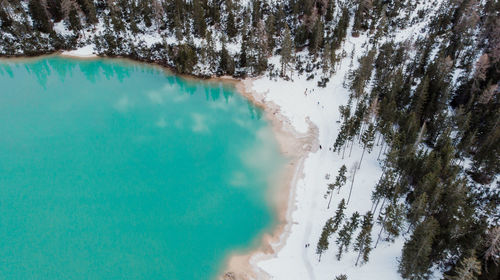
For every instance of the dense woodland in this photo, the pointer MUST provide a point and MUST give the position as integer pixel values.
(431, 103)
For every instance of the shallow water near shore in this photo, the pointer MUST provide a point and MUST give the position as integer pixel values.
(117, 170)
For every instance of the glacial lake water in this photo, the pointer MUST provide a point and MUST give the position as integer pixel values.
(111, 169)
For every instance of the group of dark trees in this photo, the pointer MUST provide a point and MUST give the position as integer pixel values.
(430, 105)
(434, 115)
(259, 29)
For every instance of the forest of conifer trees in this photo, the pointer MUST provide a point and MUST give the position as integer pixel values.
(432, 104)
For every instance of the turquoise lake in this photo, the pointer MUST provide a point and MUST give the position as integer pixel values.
(111, 169)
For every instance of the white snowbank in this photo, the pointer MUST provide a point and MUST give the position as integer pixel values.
(86, 51)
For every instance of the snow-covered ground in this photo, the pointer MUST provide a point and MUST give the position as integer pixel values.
(298, 100)
(86, 51)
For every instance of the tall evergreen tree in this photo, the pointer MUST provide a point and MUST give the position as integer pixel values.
(469, 269)
(54, 8)
(329, 10)
(286, 49)
(74, 19)
(89, 9)
(199, 23)
(367, 138)
(364, 239)
(415, 262)
(340, 180)
(339, 216)
(323, 242)
(345, 234)
(231, 29)
(39, 15)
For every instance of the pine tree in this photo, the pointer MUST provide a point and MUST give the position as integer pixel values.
(210, 50)
(286, 49)
(280, 17)
(199, 24)
(39, 15)
(367, 138)
(243, 51)
(54, 8)
(214, 12)
(341, 178)
(391, 222)
(316, 41)
(330, 8)
(345, 234)
(115, 14)
(341, 277)
(341, 139)
(185, 58)
(231, 25)
(88, 8)
(256, 12)
(493, 245)
(364, 239)
(5, 19)
(74, 19)
(340, 181)
(384, 189)
(226, 61)
(469, 269)
(362, 16)
(417, 210)
(323, 240)
(270, 33)
(146, 11)
(339, 216)
(420, 97)
(178, 27)
(260, 47)
(415, 261)
(158, 13)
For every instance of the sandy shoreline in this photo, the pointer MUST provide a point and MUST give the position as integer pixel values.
(295, 147)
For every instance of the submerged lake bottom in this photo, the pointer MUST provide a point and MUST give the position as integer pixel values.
(117, 170)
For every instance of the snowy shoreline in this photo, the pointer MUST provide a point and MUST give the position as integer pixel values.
(83, 52)
(300, 105)
(296, 147)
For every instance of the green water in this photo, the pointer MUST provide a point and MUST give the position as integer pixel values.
(116, 170)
